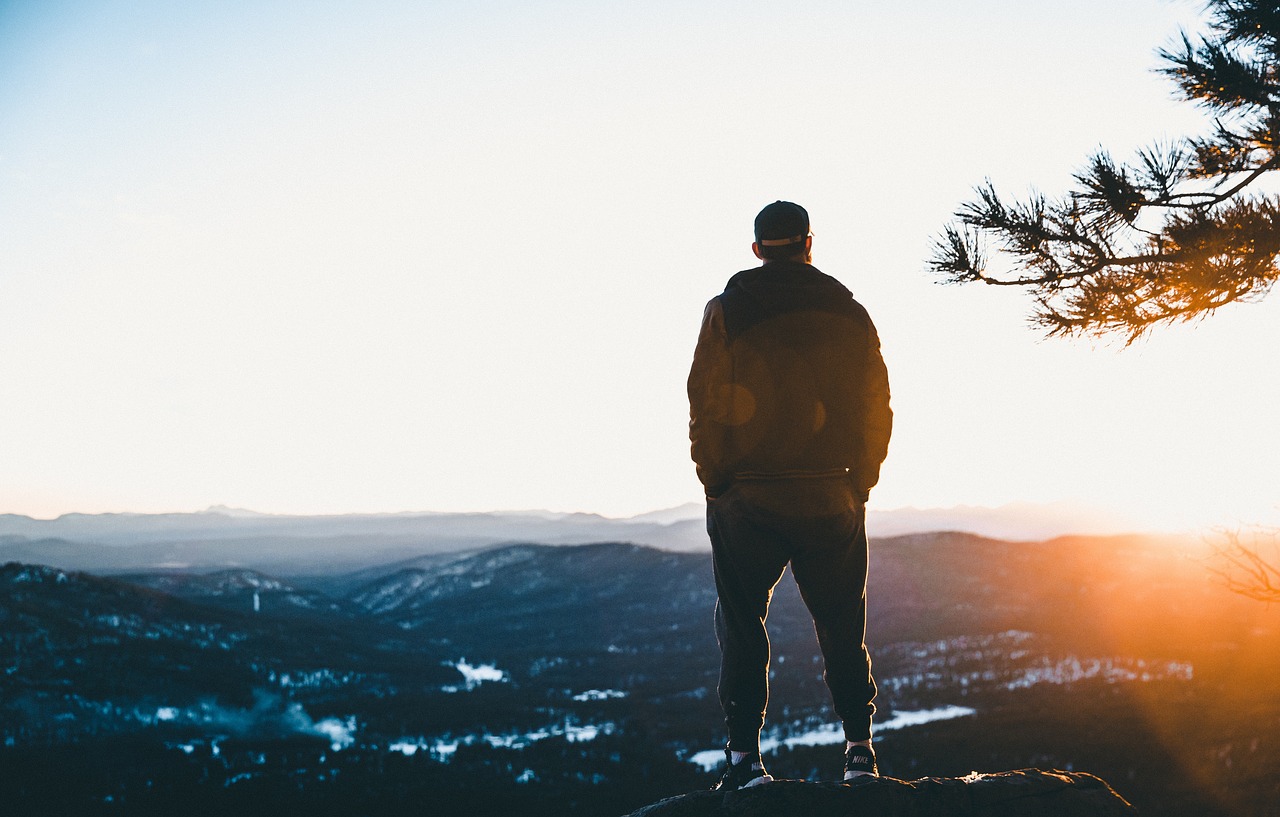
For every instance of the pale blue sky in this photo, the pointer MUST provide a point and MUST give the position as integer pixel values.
(325, 257)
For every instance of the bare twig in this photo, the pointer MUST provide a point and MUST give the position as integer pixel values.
(1242, 568)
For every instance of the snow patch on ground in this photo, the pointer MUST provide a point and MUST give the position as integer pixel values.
(944, 713)
(1113, 670)
(443, 748)
(341, 734)
(599, 695)
(474, 675)
(832, 733)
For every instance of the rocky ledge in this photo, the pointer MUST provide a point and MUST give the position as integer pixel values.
(1022, 793)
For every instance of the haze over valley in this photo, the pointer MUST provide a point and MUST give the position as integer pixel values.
(443, 660)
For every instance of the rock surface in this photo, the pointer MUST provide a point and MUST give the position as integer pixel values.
(1023, 793)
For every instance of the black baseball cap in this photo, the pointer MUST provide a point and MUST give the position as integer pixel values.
(782, 223)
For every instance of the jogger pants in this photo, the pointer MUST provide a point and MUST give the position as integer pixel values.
(818, 527)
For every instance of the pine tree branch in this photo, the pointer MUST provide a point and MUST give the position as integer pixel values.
(1093, 259)
(1201, 200)
(1214, 76)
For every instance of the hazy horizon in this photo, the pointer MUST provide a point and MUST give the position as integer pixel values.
(1015, 520)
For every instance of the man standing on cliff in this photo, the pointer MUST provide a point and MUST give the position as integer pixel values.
(789, 421)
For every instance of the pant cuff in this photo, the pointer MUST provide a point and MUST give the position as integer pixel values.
(857, 732)
(745, 737)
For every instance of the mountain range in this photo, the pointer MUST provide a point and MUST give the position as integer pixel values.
(223, 537)
(580, 679)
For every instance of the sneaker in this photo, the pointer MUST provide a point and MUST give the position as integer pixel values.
(750, 772)
(860, 761)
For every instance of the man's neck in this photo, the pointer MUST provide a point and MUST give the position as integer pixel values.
(795, 259)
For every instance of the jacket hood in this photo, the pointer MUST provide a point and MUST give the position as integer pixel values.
(781, 286)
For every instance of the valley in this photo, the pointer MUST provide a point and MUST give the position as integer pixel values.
(580, 679)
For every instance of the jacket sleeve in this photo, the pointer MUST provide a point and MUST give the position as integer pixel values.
(877, 417)
(709, 383)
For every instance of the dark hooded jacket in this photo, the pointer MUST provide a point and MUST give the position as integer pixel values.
(788, 382)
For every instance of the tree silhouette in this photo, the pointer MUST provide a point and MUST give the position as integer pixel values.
(1174, 235)
(1242, 567)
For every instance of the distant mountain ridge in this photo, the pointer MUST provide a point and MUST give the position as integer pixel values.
(305, 544)
(231, 537)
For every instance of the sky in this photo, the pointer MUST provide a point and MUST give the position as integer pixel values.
(331, 257)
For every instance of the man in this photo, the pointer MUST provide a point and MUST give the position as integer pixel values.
(789, 421)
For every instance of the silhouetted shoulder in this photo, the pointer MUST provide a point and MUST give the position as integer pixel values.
(758, 295)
